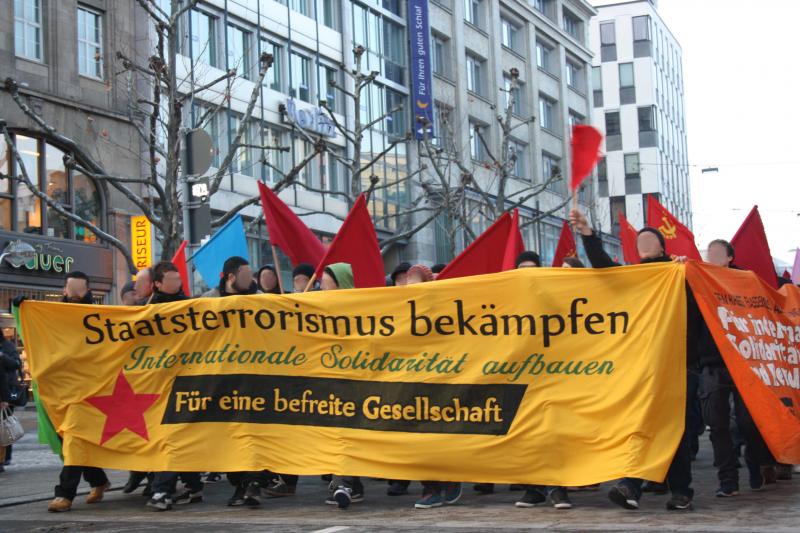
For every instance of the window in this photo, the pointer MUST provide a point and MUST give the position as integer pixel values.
(574, 76)
(574, 119)
(203, 38)
(597, 86)
(473, 12)
(442, 125)
(441, 56)
(617, 206)
(475, 74)
(633, 182)
(330, 8)
(551, 167)
(274, 77)
(547, 113)
(21, 211)
(476, 148)
(573, 26)
(648, 136)
(385, 41)
(327, 77)
(641, 36)
(602, 177)
(90, 43)
(627, 89)
(395, 122)
(28, 29)
(239, 51)
(510, 36)
(613, 131)
(301, 77)
(516, 155)
(608, 41)
(274, 159)
(544, 56)
(301, 6)
(516, 92)
(544, 7)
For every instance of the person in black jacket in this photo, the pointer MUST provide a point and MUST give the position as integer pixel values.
(10, 366)
(719, 392)
(267, 278)
(652, 249)
(76, 290)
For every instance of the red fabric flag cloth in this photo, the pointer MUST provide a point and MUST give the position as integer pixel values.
(287, 231)
(514, 244)
(585, 152)
(357, 244)
(627, 234)
(678, 238)
(487, 253)
(179, 260)
(752, 249)
(566, 245)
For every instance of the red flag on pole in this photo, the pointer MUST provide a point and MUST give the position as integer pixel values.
(678, 238)
(514, 244)
(357, 244)
(487, 253)
(627, 235)
(566, 246)
(585, 152)
(287, 231)
(752, 249)
(179, 260)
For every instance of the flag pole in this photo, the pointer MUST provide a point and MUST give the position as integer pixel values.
(310, 282)
(277, 265)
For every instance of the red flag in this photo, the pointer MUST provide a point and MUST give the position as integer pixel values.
(627, 235)
(585, 152)
(514, 244)
(357, 244)
(678, 238)
(287, 231)
(487, 253)
(179, 260)
(752, 249)
(566, 246)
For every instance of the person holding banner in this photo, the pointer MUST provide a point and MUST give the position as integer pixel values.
(719, 392)
(76, 291)
(651, 246)
(167, 288)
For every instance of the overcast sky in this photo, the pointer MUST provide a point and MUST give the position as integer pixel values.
(742, 82)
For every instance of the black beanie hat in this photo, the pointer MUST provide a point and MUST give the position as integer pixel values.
(303, 269)
(400, 269)
(657, 234)
(528, 256)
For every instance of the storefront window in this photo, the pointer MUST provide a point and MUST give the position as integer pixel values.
(57, 188)
(87, 206)
(29, 208)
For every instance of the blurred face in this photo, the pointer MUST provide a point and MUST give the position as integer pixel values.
(300, 281)
(401, 279)
(171, 283)
(129, 298)
(414, 278)
(718, 255)
(143, 286)
(75, 289)
(566, 265)
(328, 283)
(648, 245)
(241, 281)
(527, 264)
(268, 280)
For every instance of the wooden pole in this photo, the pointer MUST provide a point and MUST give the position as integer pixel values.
(277, 267)
(310, 282)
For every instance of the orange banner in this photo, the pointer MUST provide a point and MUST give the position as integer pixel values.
(757, 330)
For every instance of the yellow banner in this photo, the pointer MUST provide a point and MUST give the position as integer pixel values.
(546, 376)
(141, 241)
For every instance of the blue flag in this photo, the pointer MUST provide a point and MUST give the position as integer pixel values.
(228, 241)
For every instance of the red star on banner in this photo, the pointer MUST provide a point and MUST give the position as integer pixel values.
(124, 409)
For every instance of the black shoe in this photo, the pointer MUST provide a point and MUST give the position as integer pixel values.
(343, 497)
(160, 502)
(326, 477)
(188, 496)
(134, 480)
(727, 489)
(278, 488)
(237, 500)
(483, 488)
(770, 475)
(213, 477)
(397, 489)
(655, 488)
(679, 502)
(623, 496)
(559, 498)
(148, 490)
(756, 478)
(531, 498)
(516, 487)
(252, 494)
